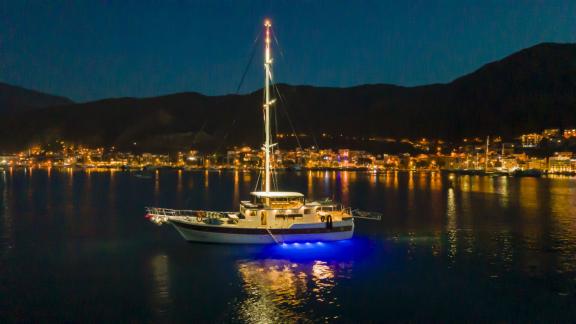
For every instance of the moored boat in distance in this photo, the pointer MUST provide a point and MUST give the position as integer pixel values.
(269, 216)
(527, 173)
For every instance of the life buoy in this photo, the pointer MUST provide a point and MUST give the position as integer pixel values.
(322, 218)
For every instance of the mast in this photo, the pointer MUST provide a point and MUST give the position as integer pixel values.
(267, 103)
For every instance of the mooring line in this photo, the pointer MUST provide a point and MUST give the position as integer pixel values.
(272, 235)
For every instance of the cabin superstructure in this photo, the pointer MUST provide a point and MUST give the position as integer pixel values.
(286, 208)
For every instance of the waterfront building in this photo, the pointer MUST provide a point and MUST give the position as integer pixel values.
(8, 159)
(531, 140)
(560, 162)
(536, 163)
(569, 133)
(507, 149)
(149, 159)
(405, 161)
(551, 133)
(344, 156)
(509, 163)
(448, 162)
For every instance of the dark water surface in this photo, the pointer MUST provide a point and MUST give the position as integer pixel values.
(74, 246)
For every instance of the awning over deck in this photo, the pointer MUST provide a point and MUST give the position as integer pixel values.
(277, 194)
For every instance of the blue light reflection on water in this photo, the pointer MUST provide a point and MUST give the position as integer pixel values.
(354, 248)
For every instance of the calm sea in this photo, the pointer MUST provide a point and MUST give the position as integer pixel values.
(75, 246)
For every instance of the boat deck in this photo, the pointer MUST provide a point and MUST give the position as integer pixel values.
(283, 218)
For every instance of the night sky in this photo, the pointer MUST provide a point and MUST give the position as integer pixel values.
(89, 50)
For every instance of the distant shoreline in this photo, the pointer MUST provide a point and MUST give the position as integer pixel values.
(460, 172)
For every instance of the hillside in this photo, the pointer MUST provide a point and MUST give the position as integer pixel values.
(526, 91)
(17, 99)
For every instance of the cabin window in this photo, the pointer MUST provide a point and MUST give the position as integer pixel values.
(281, 202)
(308, 211)
(286, 203)
(288, 216)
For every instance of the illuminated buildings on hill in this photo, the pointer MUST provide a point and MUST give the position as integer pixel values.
(569, 133)
(531, 140)
(551, 133)
(529, 151)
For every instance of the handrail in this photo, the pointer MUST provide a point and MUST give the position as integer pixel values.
(159, 211)
(180, 212)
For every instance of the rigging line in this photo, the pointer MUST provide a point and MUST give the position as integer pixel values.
(273, 184)
(278, 44)
(195, 140)
(278, 92)
(249, 62)
(277, 144)
(274, 174)
(281, 99)
(276, 180)
(276, 125)
(314, 139)
(275, 112)
(285, 110)
(257, 181)
(240, 83)
(276, 177)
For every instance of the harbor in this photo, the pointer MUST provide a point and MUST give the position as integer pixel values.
(513, 161)
(503, 234)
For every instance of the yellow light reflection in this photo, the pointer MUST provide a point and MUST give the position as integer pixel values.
(451, 226)
(346, 188)
(179, 184)
(310, 184)
(275, 288)
(161, 283)
(373, 178)
(236, 196)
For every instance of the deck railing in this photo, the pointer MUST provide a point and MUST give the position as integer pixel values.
(157, 211)
(200, 214)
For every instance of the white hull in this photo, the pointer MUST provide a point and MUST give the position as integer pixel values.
(303, 233)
